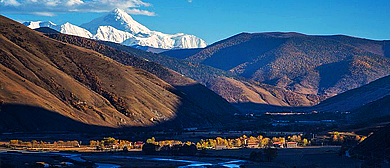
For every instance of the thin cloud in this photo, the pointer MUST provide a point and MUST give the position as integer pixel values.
(190, 1)
(51, 7)
(44, 14)
(140, 12)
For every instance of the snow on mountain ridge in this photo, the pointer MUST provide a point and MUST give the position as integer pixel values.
(118, 26)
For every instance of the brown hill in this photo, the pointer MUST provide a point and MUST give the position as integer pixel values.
(125, 58)
(45, 84)
(320, 65)
(186, 87)
(241, 91)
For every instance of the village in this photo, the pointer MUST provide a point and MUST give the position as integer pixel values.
(111, 144)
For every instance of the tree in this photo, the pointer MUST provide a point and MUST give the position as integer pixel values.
(363, 138)
(264, 142)
(198, 145)
(357, 138)
(152, 140)
(34, 143)
(237, 143)
(335, 138)
(252, 139)
(109, 141)
(305, 142)
(14, 142)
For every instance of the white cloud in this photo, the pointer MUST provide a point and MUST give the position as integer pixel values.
(74, 2)
(43, 13)
(190, 1)
(140, 12)
(51, 7)
(10, 2)
(52, 3)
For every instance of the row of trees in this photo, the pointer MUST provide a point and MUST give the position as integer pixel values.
(262, 142)
(341, 137)
(344, 139)
(42, 144)
(112, 143)
(167, 142)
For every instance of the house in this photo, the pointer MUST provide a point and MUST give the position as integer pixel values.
(138, 145)
(220, 147)
(252, 145)
(278, 145)
(292, 144)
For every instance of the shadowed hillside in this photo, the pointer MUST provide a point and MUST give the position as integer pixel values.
(355, 98)
(376, 111)
(376, 148)
(86, 86)
(46, 30)
(18, 117)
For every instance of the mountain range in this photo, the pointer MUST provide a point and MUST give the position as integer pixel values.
(307, 64)
(118, 26)
(48, 85)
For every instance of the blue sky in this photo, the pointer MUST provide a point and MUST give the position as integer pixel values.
(213, 20)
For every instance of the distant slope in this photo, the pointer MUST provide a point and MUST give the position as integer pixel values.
(355, 98)
(181, 53)
(63, 85)
(198, 72)
(321, 65)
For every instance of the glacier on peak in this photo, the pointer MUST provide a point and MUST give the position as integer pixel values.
(119, 27)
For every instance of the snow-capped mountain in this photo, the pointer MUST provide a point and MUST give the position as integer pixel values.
(118, 26)
(66, 28)
(38, 24)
